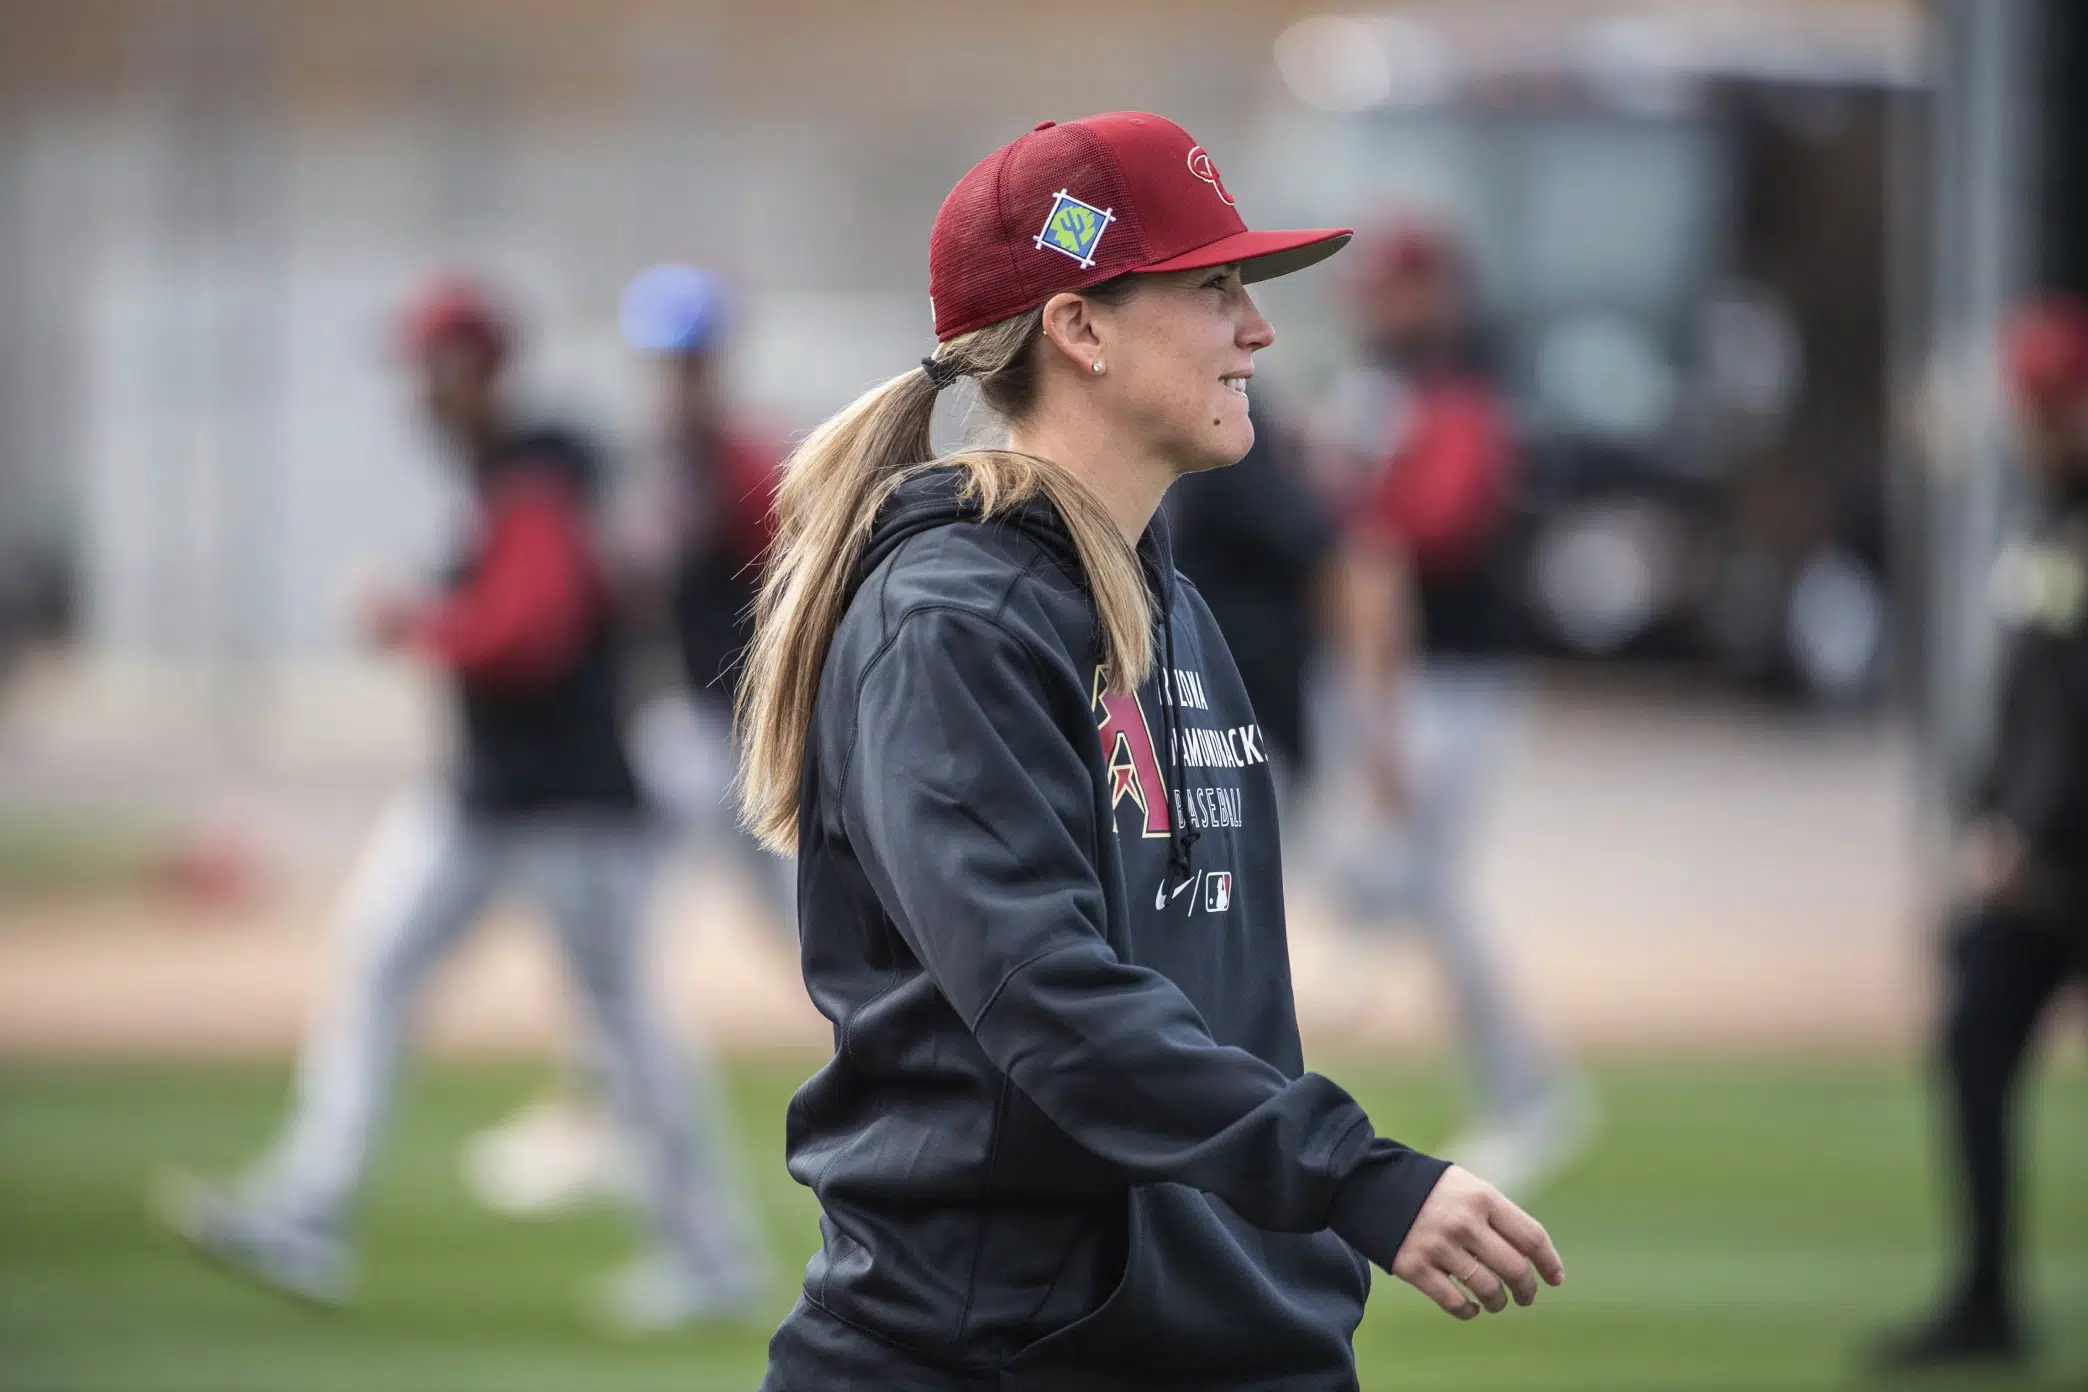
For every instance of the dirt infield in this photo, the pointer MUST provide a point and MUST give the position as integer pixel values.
(1660, 875)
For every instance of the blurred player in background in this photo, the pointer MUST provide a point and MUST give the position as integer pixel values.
(686, 547)
(1256, 538)
(2022, 933)
(693, 542)
(541, 806)
(1424, 692)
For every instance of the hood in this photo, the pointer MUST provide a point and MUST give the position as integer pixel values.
(935, 498)
(549, 448)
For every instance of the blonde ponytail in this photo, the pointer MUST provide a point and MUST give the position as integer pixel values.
(833, 486)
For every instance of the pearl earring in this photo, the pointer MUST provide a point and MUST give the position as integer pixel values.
(1098, 367)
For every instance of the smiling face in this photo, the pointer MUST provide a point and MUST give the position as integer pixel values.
(1178, 354)
(1410, 316)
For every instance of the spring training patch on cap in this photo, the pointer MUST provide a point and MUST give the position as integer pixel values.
(1074, 228)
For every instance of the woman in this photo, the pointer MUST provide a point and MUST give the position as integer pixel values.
(1066, 1139)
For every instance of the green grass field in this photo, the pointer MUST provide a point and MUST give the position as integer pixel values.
(1739, 1226)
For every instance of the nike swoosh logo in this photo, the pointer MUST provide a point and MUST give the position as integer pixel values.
(1161, 896)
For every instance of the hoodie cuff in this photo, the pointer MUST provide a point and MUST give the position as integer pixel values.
(1376, 1205)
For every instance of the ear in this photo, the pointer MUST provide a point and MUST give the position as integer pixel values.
(1071, 329)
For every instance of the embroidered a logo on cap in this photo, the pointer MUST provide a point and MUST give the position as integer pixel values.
(1074, 228)
(1200, 165)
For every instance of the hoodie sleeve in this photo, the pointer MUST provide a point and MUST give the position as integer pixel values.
(526, 614)
(974, 813)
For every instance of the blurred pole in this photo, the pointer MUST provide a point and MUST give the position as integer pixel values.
(15, 311)
(219, 342)
(1979, 166)
(1909, 179)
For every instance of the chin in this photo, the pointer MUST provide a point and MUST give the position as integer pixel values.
(1207, 454)
(1210, 441)
(1230, 444)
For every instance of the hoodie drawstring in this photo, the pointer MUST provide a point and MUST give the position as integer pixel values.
(1181, 836)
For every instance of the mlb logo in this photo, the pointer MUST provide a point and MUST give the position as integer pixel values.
(1073, 228)
(1218, 891)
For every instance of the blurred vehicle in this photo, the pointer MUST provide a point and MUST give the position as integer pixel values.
(1679, 220)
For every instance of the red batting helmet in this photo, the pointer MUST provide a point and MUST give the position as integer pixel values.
(453, 307)
(2044, 349)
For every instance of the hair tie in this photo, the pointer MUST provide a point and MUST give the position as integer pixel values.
(941, 372)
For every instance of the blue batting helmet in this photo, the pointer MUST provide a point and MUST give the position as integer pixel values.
(675, 308)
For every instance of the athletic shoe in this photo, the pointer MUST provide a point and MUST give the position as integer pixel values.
(1523, 1151)
(656, 1296)
(550, 1157)
(247, 1241)
(1964, 1333)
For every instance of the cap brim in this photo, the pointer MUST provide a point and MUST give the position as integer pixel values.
(1262, 255)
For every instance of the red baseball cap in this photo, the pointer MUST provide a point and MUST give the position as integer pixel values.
(452, 306)
(2044, 344)
(1071, 205)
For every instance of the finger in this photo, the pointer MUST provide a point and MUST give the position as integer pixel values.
(1531, 1240)
(1483, 1284)
(1504, 1261)
(1437, 1286)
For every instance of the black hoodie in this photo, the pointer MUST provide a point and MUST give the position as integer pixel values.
(553, 745)
(1066, 1139)
(2037, 772)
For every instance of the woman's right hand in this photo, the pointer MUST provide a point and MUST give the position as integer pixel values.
(1469, 1237)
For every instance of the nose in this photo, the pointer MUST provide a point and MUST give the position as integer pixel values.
(1254, 332)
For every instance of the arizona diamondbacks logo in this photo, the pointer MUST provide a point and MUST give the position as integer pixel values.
(1074, 228)
(1128, 753)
